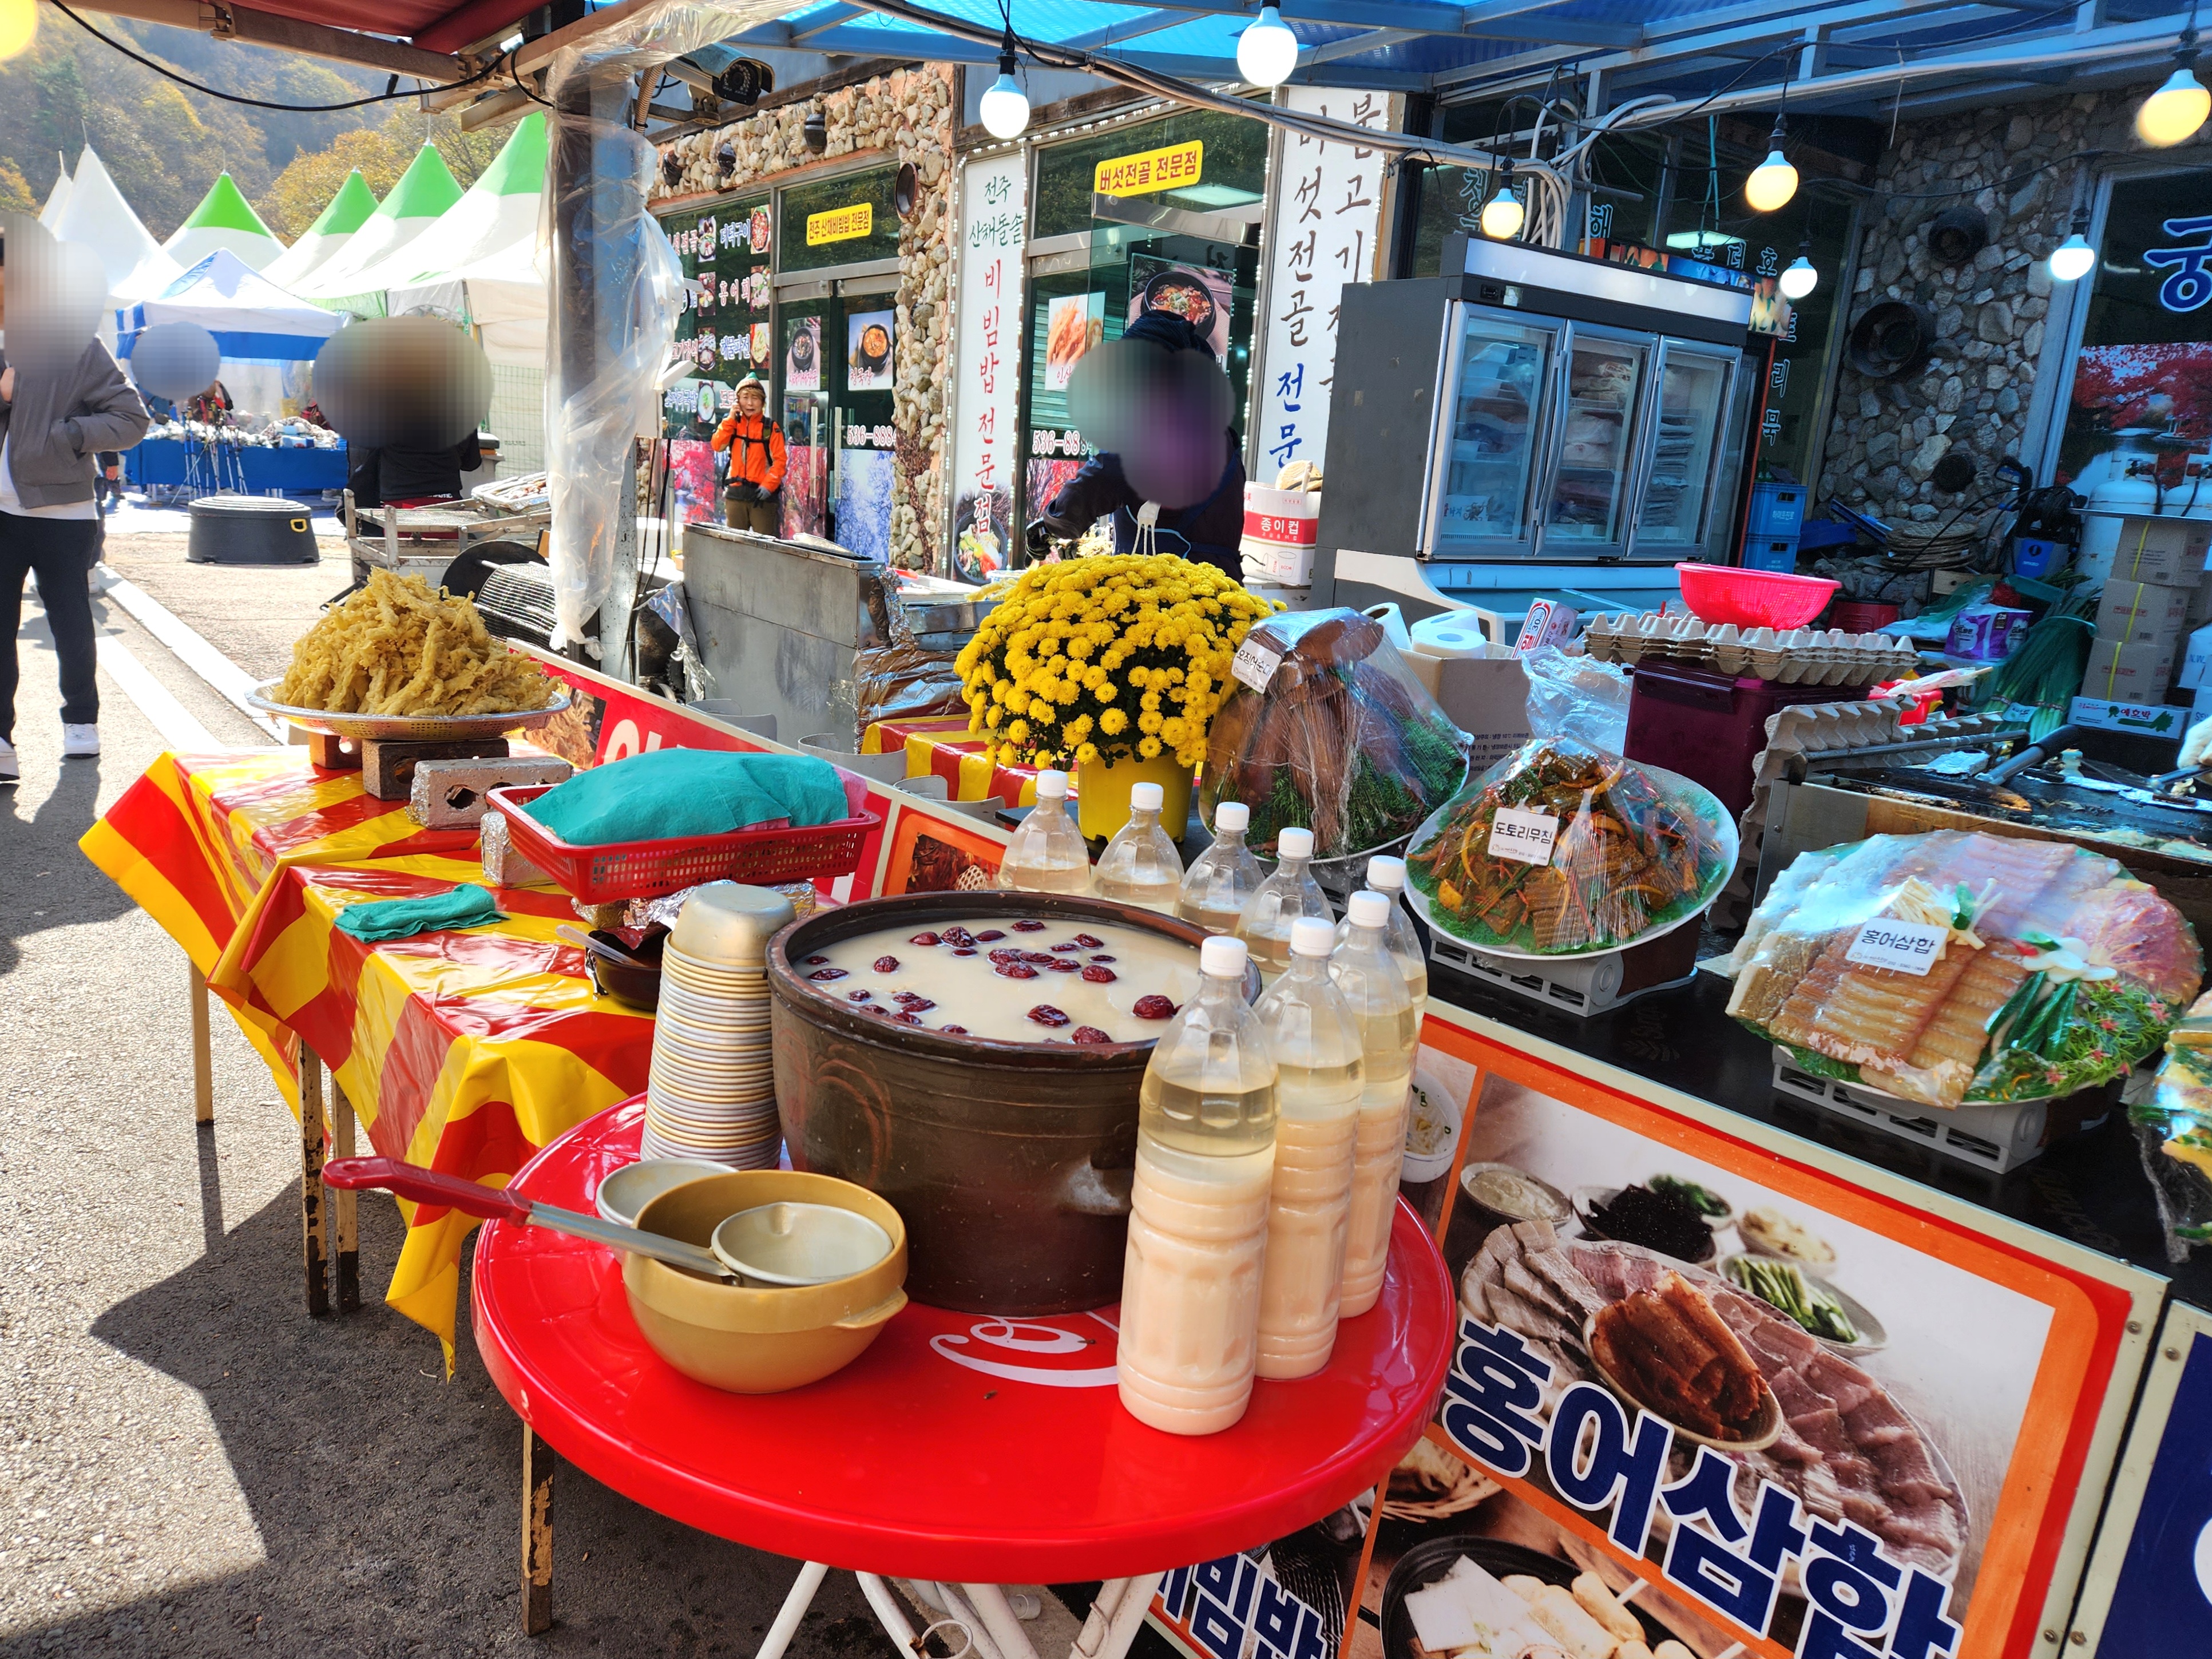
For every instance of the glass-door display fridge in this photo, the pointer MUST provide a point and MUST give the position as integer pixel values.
(1544, 421)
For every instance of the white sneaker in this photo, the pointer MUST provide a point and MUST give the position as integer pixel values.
(9, 771)
(80, 741)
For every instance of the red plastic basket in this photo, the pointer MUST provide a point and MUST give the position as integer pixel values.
(1753, 599)
(646, 869)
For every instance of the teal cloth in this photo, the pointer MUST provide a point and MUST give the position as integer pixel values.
(690, 792)
(466, 906)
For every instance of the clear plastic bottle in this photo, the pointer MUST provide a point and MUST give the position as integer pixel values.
(1387, 876)
(1047, 853)
(1290, 893)
(1140, 865)
(1374, 986)
(1198, 1226)
(1222, 879)
(1318, 1058)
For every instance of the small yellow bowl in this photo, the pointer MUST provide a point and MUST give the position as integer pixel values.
(760, 1341)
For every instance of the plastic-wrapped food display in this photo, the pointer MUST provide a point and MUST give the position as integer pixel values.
(1339, 738)
(2174, 1126)
(1954, 967)
(1561, 850)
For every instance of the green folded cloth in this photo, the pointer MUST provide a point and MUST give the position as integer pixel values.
(467, 906)
(690, 792)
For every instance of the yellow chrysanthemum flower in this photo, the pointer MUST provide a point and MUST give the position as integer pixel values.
(1148, 747)
(1114, 722)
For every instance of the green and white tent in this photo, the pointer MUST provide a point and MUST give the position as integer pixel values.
(331, 233)
(420, 198)
(224, 220)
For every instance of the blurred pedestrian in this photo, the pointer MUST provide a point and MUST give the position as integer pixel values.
(753, 498)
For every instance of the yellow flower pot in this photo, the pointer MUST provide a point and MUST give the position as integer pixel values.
(1101, 794)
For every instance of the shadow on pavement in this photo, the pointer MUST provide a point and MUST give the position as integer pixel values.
(54, 885)
(388, 1499)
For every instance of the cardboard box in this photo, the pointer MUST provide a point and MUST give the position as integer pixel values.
(2165, 550)
(2200, 600)
(2151, 719)
(1488, 699)
(2128, 673)
(1279, 531)
(1549, 621)
(2142, 613)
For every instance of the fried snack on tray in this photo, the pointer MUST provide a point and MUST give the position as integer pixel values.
(395, 647)
(1626, 856)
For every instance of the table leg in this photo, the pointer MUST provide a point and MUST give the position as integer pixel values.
(203, 1063)
(345, 1207)
(889, 1613)
(1116, 1615)
(779, 1636)
(537, 1462)
(312, 1132)
(1006, 1632)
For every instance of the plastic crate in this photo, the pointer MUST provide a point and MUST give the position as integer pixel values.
(646, 869)
(1771, 553)
(1777, 510)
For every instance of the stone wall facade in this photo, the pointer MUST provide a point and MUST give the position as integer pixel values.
(1885, 437)
(907, 115)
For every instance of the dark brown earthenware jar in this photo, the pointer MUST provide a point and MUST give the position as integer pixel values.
(1010, 1161)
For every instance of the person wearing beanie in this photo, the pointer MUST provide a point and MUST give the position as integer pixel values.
(753, 498)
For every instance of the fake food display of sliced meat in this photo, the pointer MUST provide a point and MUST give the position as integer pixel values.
(1956, 967)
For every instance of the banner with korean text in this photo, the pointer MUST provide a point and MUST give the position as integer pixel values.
(993, 231)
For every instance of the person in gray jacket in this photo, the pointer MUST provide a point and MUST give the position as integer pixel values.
(60, 405)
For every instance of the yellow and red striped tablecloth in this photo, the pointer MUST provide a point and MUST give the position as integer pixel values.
(940, 744)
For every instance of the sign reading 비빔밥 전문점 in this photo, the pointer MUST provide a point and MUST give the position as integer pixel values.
(1173, 167)
(844, 224)
(1713, 1386)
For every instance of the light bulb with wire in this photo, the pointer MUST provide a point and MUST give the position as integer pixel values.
(1503, 215)
(2173, 114)
(1799, 276)
(19, 22)
(1773, 181)
(1266, 52)
(1005, 107)
(2074, 258)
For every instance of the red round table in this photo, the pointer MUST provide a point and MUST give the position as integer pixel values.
(960, 1447)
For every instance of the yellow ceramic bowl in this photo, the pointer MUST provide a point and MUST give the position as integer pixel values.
(760, 1341)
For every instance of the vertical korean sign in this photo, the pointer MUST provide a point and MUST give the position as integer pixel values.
(995, 220)
(1327, 201)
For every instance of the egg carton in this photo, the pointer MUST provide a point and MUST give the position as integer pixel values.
(1794, 656)
(1993, 1137)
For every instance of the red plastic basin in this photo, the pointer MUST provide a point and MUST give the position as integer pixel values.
(1753, 599)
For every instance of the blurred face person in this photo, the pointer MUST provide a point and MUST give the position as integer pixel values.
(750, 402)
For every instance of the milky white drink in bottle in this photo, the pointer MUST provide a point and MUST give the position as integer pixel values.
(1222, 879)
(1387, 876)
(1374, 986)
(1197, 1225)
(1290, 893)
(1047, 854)
(1317, 1048)
(1140, 865)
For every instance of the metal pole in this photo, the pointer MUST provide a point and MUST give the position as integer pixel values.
(794, 1609)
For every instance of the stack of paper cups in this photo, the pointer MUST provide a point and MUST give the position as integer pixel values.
(711, 1092)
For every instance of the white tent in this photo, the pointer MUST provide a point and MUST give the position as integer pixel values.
(97, 217)
(333, 228)
(420, 198)
(266, 336)
(57, 200)
(224, 219)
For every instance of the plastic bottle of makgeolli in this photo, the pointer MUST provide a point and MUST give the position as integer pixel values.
(1140, 865)
(1374, 986)
(1047, 854)
(1198, 1226)
(1222, 879)
(1290, 893)
(1387, 876)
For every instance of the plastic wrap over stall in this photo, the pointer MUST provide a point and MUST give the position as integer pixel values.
(1958, 967)
(2174, 1130)
(1328, 728)
(615, 283)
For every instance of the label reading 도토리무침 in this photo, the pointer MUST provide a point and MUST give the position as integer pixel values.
(1256, 663)
(1908, 947)
(1525, 837)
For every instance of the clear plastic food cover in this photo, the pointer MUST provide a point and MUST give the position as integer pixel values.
(1954, 967)
(2174, 1129)
(1560, 849)
(1327, 729)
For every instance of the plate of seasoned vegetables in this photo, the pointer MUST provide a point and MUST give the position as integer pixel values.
(1561, 850)
(1834, 1316)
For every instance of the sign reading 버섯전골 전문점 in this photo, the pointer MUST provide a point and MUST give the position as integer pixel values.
(1771, 1402)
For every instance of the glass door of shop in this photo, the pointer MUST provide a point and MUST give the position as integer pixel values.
(1593, 481)
(1673, 512)
(1488, 455)
(839, 442)
(804, 411)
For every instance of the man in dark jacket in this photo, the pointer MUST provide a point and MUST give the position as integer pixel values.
(60, 405)
(1208, 527)
(400, 475)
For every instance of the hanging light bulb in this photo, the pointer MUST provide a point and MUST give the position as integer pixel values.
(1773, 181)
(2074, 258)
(1799, 278)
(19, 21)
(2172, 115)
(1266, 52)
(1503, 215)
(1006, 106)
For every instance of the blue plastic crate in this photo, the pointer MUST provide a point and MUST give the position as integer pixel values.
(1777, 510)
(1770, 553)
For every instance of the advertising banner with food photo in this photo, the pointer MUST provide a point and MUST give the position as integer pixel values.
(1201, 297)
(868, 351)
(1077, 323)
(1720, 1392)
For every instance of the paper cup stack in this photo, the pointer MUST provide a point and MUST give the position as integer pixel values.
(712, 1090)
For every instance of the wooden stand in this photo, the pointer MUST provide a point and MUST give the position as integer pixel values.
(387, 769)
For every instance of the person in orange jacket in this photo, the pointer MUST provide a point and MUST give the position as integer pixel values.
(753, 498)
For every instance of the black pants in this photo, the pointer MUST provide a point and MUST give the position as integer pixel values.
(60, 551)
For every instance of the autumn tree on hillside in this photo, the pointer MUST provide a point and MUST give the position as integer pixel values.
(382, 154)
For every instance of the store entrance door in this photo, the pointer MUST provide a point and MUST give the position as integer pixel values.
(838, 356)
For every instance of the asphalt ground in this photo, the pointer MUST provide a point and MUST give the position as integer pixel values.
(189, 1464)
